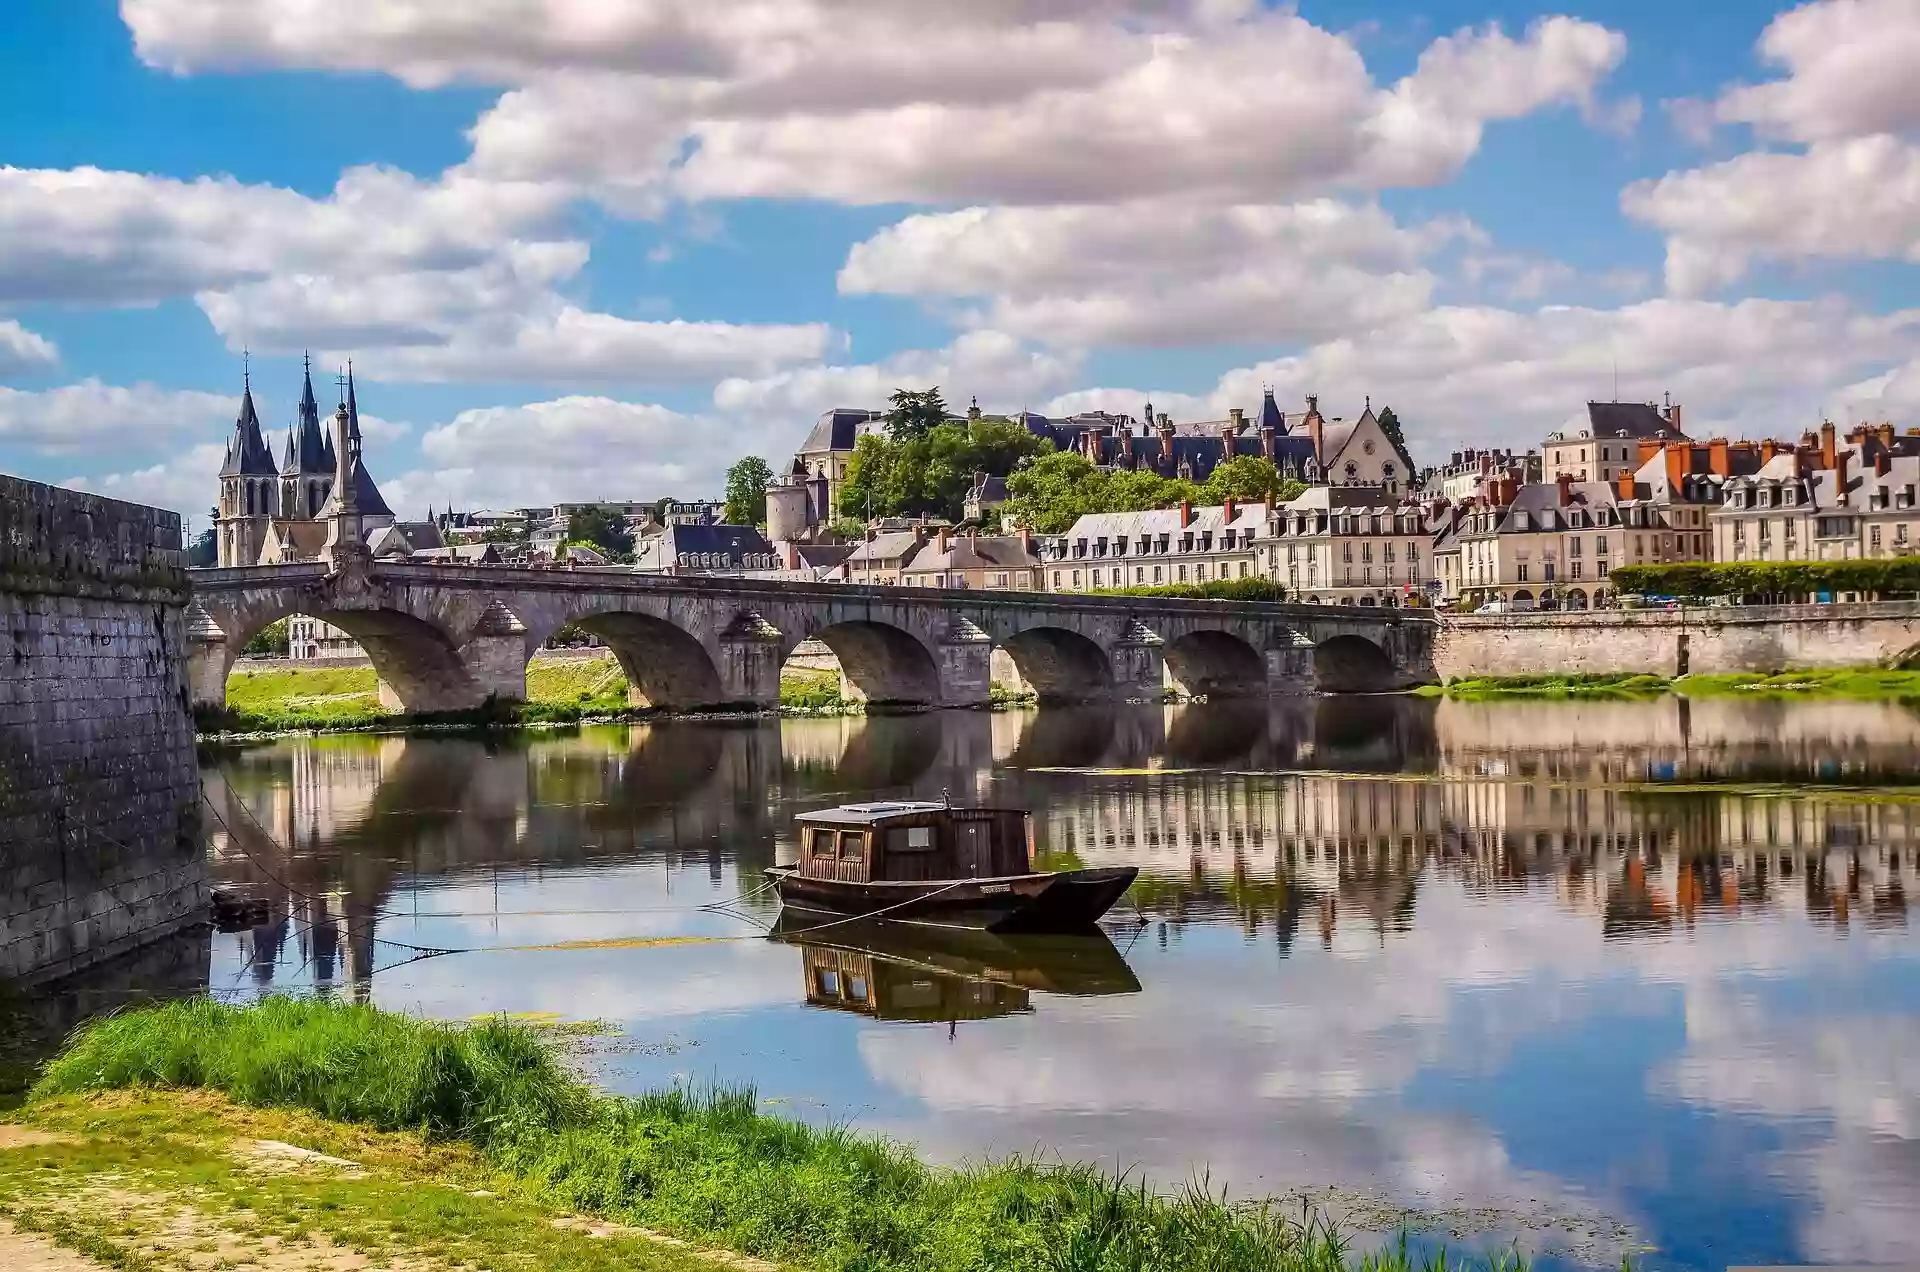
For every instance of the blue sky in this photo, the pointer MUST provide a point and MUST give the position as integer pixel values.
(600, 248)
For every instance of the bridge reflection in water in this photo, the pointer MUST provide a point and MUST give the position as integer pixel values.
(1231, 809)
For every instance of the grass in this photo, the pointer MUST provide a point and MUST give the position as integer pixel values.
(1558, 685)
(811, 691)
(707, 1167)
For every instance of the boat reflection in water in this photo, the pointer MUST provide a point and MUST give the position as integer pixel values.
(930, 975)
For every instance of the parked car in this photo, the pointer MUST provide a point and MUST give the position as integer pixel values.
(1495, 607)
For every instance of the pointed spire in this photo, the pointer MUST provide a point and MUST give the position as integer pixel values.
(353, 407)
(248, 453)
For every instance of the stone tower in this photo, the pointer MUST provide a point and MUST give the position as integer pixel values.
(306, 474)
(249, 488)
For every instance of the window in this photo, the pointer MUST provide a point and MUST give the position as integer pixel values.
(1056, 579)
(1366, 552)
(1346, 552)
(853, 846)
(1158, 574)
(1386, 553)
(820, 843)
(1200, 571)
(910, 839)
(1139, 574)
(1739, 534)
(1873, 537)
(1900, 533)
(1182, 572)
(1076, 578)
(1573, 546)
(1243, 564)
(1096, 577)
(1520, 572)
(1576, 569)
(1549, 571)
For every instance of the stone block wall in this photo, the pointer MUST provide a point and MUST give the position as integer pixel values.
(100, 847)
(1699, 641)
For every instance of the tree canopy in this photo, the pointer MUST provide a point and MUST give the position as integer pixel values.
(1390, 425)
(915, 413)
(1052, 492)
(604, 528)
(747, 492)
(931, 472)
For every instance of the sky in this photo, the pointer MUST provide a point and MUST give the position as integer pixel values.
(583, 249)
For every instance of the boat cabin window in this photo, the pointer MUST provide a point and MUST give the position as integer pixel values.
(910, 839)
(853, 846)
(827, 981)
(856, 988)
(820, 843)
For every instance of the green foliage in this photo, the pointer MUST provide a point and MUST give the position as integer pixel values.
(1048, 494)
(204, 550)
(1247, 478)
(508, 534)
(913, 414)
(708, 1166)
(810, 691)
(847, 527)
(1390, 425)
(747, 492)
(604, 529)
(269, 642)
(1249, 589)
(1562, 685)
(1784, 580)
(931, 472)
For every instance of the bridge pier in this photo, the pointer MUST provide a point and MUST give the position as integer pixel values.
(1289, 659)
(1139, 661)
(965, 660)
(749, 662)
(496, 657)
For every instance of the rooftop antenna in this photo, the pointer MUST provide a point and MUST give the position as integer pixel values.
(246, 369)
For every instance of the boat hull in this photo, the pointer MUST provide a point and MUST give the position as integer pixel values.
(1063, 901)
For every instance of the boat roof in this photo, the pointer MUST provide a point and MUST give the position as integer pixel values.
(867, 814)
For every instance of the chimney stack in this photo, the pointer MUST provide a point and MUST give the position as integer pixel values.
(1624, 486)
(1882, 463)
(1827, 452)
(1720, 457)
(940, 541)
(1673, 418)
(1164, 426)
(1839, 467)
(1766, 449)
(1237, 416)
(1227, 507)
(1186, 514)
(1886, 434)
(1565, 482)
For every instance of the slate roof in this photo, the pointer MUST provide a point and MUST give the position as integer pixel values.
(247, 451)
(1622, 419)
(838, 429)
(309, 449)
(732, 544)
(976, 552)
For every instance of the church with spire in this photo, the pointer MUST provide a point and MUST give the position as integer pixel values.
(318, 495)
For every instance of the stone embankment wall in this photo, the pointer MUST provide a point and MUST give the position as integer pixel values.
(1698, 641)
(100, 847)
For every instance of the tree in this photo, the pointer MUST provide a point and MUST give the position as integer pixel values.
(204, 550)
(269, 642)
(507, 533)
(1390, 425)
(932, 472)
(604, 528)
(915, 414)
(1049, 493)
(747, 492)
(1244, 477)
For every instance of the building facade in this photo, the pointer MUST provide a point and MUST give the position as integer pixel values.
(1604, 444)
(1828, 499)
(1350, 545)
(1168, 545)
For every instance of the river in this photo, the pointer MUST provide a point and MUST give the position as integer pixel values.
(1600, 977)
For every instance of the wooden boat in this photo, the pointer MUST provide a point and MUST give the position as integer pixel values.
(912, 862)
(914, 972)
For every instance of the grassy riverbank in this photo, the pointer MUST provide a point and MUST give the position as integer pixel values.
(484, 1114)
(1858, 683)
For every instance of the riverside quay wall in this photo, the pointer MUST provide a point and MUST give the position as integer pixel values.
(1696, 640)
(100, 846)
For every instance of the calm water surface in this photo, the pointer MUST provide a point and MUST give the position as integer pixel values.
(1599, 976)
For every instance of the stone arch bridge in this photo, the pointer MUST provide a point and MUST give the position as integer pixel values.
(446, 638)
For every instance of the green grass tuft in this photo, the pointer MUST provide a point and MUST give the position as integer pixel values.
(707, 1166)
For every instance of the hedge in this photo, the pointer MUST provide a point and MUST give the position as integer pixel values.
(1769, 578)
(1249, 589)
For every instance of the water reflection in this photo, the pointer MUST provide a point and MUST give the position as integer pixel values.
(936, 975)
(1492, 955)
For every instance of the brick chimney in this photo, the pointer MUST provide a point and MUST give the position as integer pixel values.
(1314, 423)
(1186, 514)
(1227, 508)
(1673, 417)
(1565, 482)
(1164, 427)
(1647, 449)
(1026, 540)
(1766, 449)
(1882, 463)
(1827, 452)
(1886, 434)
(1678, 453)
(1229, 433)
(1720, 457)
(1624, 487)
(1237, 416)
(1839, 467)
(789, 554)
(940, 541)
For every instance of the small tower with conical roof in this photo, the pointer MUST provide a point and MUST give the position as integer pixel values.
(249, 495)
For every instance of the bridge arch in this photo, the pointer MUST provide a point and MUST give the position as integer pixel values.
(1353, 664)
(1060, 664)
(420, 669)
(1214, 663)
(881, 663)
(666, 666)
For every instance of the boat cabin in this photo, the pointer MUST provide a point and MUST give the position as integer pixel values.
(907, 842)
(856, 981)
